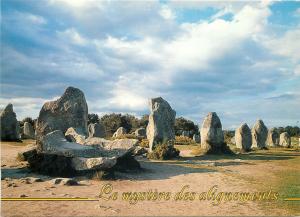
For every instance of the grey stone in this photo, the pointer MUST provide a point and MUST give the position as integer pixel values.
(141, 132)
(211, 132)
(28, 131)
(9, 124)
(259, 134)
(160, 128)
(243, 137)
(120, 131)
(70, 110)
(285, 140)
(75, 135)
(96, 130)
(55, 143)
(273, 138)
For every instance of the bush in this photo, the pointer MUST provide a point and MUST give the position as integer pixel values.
(163, 152)
(184, 140)
(144, 143)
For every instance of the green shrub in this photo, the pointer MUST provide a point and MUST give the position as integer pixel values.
(163, 152)
(144, 143)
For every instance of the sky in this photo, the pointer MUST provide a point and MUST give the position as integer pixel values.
(240, 59)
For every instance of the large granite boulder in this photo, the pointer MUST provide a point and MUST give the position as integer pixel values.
(96, 130)
(9, 124)
(28, 131)
(243, 137)
(259, 135)
(120, 131)
(70, 110)
(212, 138)
(140, 132)
(273, 138)
(285, 140)
(160, 129)
(197, 138)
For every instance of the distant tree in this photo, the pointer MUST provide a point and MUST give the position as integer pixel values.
(143, 122)
(228, 135)
(292, 131)
(182, 124)
(93, 118)
(27, 119)
(113, 121)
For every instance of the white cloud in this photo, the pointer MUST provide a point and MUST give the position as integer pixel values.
(167, 13)
(73, 36)
(287, 46)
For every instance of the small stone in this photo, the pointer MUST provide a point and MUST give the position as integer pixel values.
(23, 195)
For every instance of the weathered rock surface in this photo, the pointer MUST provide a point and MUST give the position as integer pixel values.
(273, 138)
(28, 131)
(120, 131)
(285, 140)
(212, 138)
(259, 134)
(197, 138)
(243, 137)
(160, 128)
(96, 130)
(57, 156)
(9, 124)
(141, 132)
(75, 135)
(70, 110)
(55, 143)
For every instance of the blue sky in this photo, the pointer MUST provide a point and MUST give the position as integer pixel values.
(240, 59)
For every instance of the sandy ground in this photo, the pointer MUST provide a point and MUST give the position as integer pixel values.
(250, 172)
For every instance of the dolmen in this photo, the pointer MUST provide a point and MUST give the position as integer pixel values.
(212, 137)
(9, 125)
(196, 138)
(259, 135)
(243, 138)
(63, 147)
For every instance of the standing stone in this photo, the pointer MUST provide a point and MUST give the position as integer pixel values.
(273, 138)
(243, 137)
(285, 140)
(196, 138)
(141, 132)
(120, 131)
(28, 131)
(70, 110)
(259, 134)
(96, 130)
(160, 129)
(9, 124)
(212, 137)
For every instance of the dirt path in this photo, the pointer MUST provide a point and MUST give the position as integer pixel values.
(249, 173)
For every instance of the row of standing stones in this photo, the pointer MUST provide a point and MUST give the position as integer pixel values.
(67, 146)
